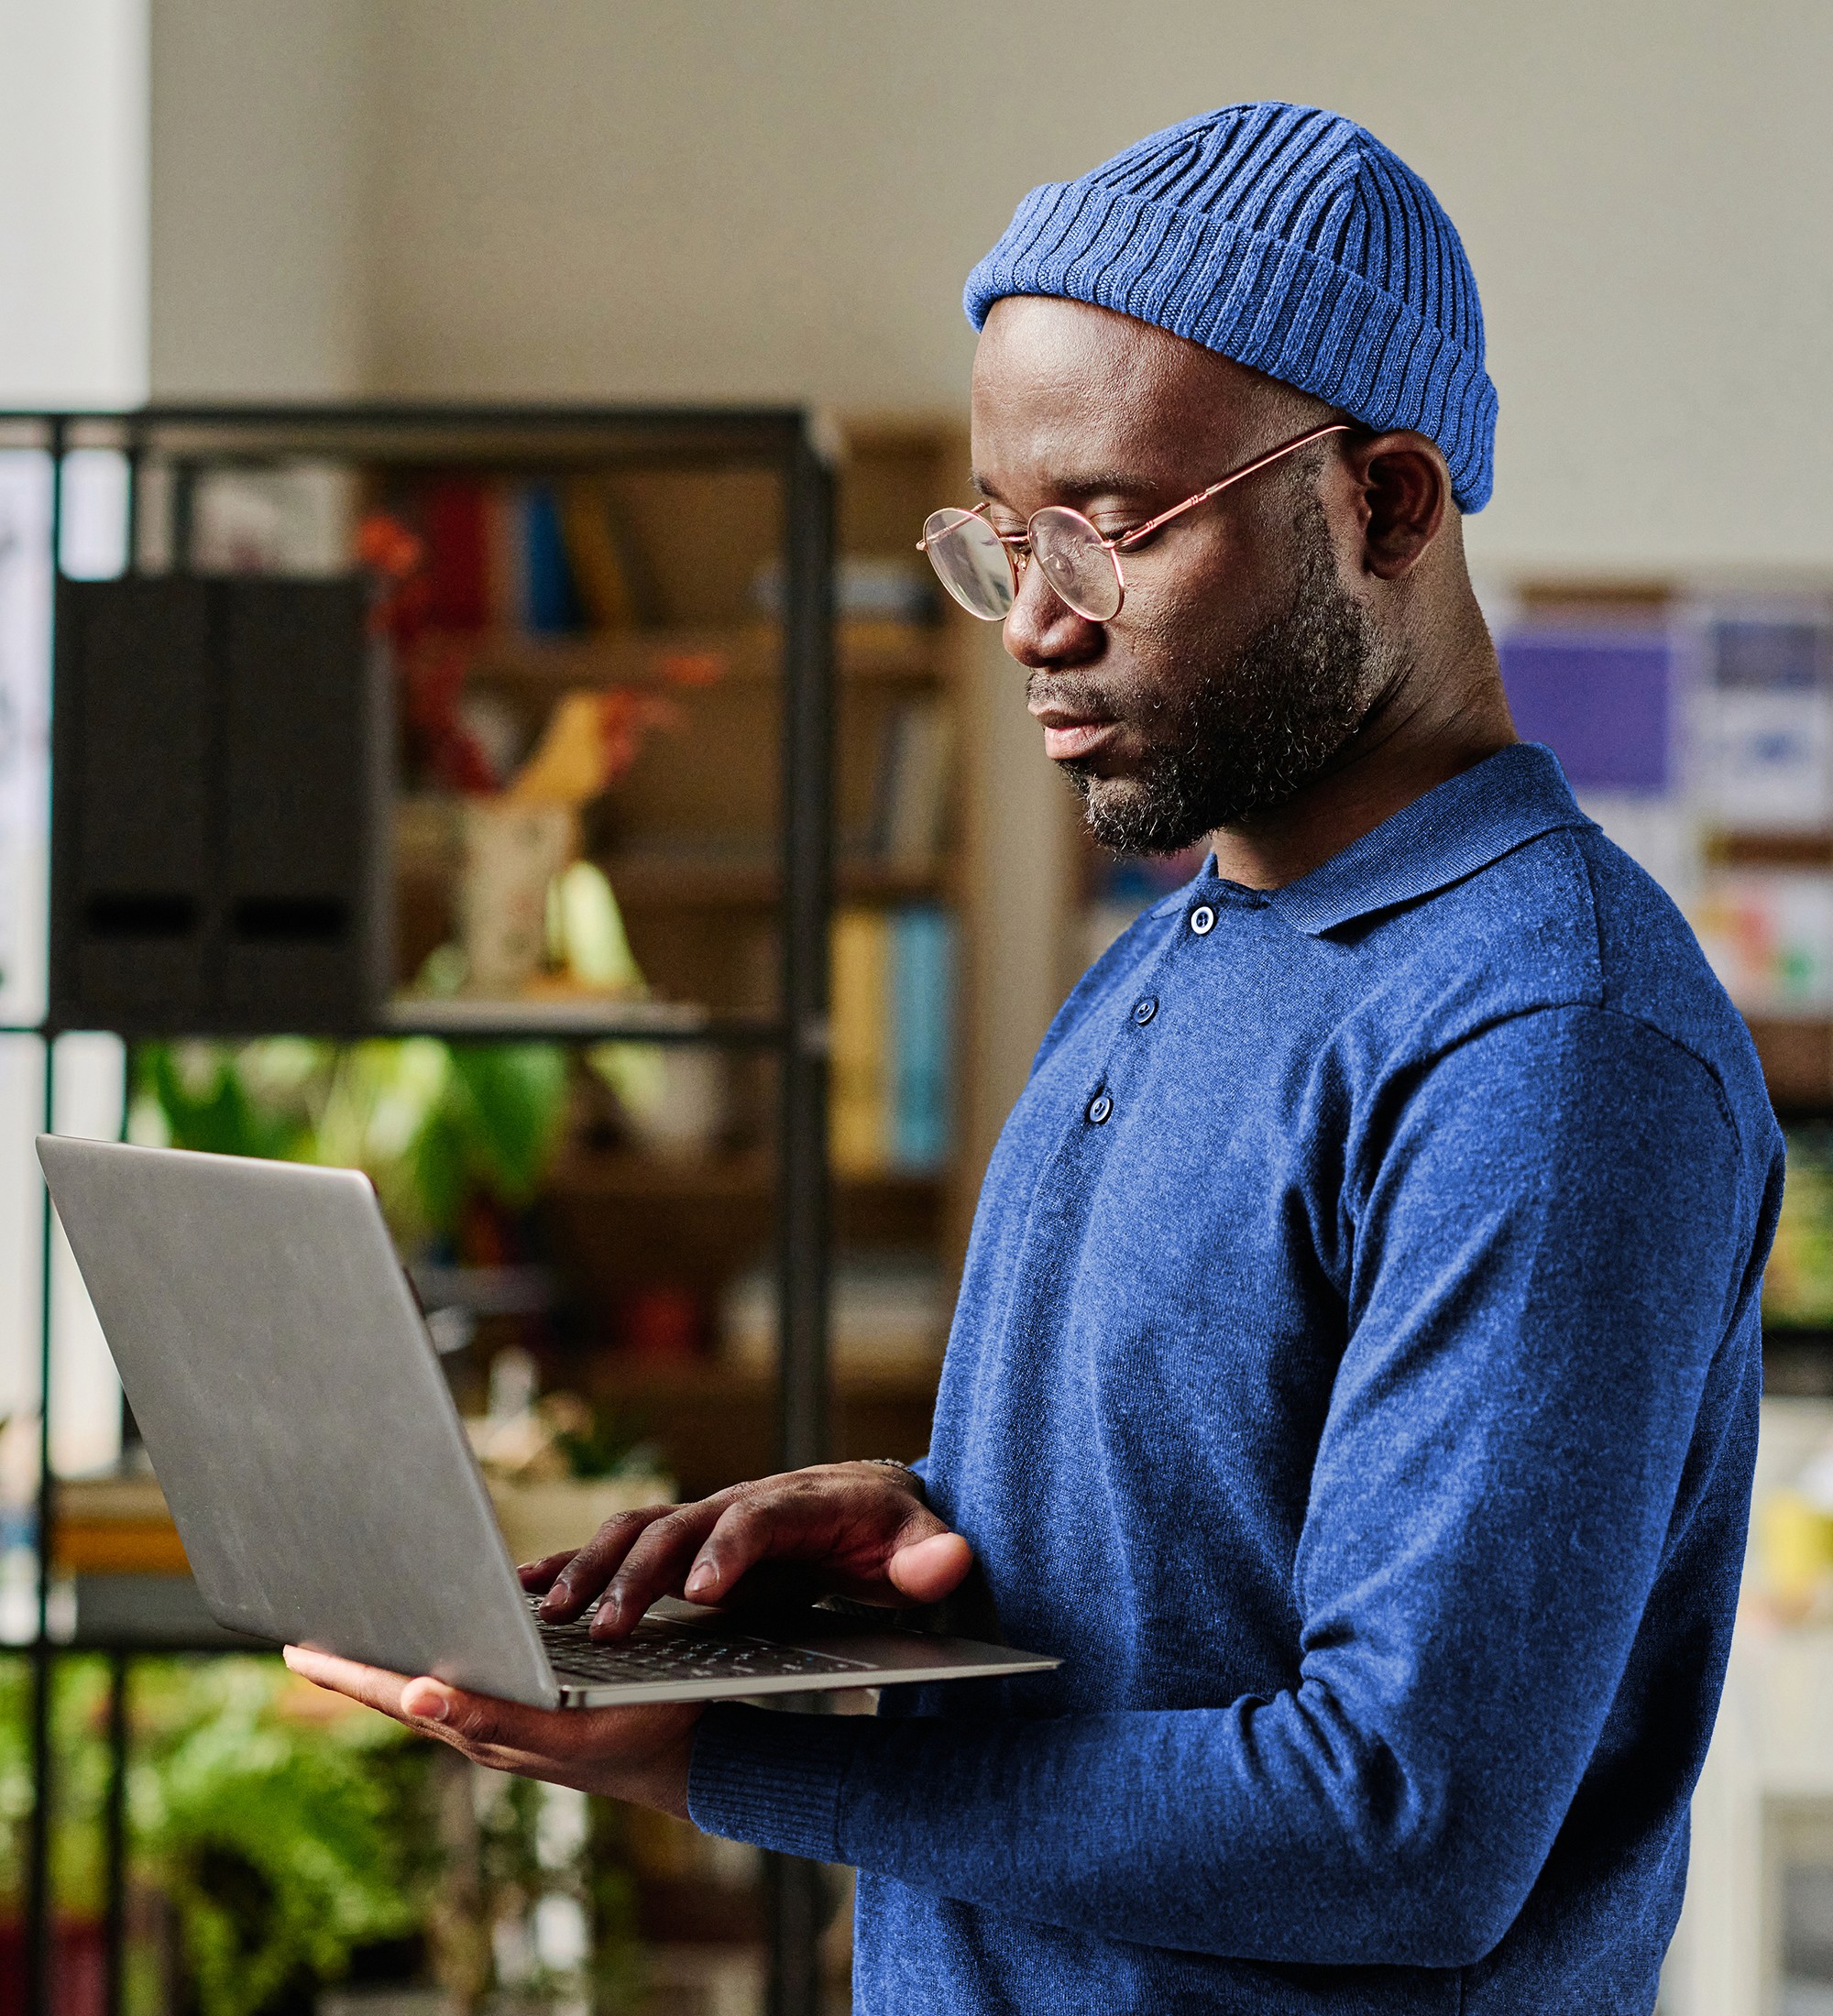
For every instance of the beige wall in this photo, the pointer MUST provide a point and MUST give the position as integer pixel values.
(72, 202)
(587, 197)
(260, 161)
(702, 199)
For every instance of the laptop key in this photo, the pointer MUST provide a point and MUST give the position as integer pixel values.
(660, 1651)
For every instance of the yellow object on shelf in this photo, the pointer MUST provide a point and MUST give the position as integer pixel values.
(571, 763)
(120, 1526)
(115, 1526)
(585, 932)
(859, 1106)
(1794, 1552)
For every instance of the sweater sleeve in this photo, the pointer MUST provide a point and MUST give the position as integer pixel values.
(1549, 1247)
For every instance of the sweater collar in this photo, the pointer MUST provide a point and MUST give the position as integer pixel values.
(1454, 830)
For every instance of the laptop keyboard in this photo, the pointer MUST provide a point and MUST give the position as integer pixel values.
(658, 1651)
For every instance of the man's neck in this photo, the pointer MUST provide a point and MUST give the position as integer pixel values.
(1444, 713)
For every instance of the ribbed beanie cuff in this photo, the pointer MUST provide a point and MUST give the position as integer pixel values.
(1349, 282)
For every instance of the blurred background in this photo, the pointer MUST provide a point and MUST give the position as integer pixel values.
(511, 911)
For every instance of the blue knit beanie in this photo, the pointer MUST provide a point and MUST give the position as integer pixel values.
(1291, 240)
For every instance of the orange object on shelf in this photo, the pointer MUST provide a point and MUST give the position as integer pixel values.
(115, 1526)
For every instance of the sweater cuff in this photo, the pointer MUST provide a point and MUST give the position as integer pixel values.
(773, 1778)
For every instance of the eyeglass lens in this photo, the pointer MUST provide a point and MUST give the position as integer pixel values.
(967, 555)
(1075, 563)
(972, 563)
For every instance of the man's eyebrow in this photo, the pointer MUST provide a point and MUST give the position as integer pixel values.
(1075, 489)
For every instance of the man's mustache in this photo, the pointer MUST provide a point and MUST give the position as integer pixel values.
(1084, 698)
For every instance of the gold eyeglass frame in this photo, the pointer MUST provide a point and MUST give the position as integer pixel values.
(1120, 542)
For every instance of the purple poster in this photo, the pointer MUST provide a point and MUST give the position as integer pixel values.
(1601, 699)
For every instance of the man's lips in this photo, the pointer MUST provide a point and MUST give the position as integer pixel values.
(1069, 735)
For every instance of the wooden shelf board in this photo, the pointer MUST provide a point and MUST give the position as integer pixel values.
(1740, 850)
(128, 1546)
(584, 1018)
(738, 880)
(749, 1173)
(865, 648)
(646, 880)
(708, 1379)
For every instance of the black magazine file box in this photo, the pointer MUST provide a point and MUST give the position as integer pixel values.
(220, 778)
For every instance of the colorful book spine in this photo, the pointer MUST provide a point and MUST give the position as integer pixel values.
(603, 586)
(455, 520)
(553, 599)
(922, 1027)
(859, 1098)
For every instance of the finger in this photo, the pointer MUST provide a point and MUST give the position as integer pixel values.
(539, 1742)
(540, 1574)
(758, 1526)
(848, 1535)
(479, 1722)
(930, 1569)
(372, 1685)
(581, 1578)
(654, 1566)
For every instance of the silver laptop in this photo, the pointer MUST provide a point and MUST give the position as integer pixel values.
(277, 1365)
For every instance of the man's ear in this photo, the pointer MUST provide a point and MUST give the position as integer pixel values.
(1404, 493)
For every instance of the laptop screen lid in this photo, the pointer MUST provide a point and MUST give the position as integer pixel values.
(295, 1411)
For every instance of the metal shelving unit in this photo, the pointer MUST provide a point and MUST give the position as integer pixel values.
(781, 440)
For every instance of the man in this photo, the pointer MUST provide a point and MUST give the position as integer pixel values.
(1356, 1370)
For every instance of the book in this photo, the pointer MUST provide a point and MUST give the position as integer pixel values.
(552, 605)
(859, 1121)
(455, 524)
(505, 556)
(615, 588)
(922, 1030)
(913, 789)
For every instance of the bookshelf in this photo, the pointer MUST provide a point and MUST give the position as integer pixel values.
(714, 836)
(648, 1242)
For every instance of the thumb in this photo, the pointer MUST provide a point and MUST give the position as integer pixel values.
(927, 1570)
(428, 1701)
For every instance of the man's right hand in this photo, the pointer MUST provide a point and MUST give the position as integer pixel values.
(853, 1530)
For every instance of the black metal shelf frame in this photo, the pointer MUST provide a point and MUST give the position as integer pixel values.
(781, 439)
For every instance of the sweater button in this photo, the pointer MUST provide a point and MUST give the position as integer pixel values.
(1099, 1108)
(1143, 1011)
(1202, 920)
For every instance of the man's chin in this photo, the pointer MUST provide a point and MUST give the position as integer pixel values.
(1124, 815)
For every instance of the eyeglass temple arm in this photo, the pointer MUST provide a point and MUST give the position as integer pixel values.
(1202, 497)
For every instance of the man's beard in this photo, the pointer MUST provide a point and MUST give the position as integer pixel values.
(1255, 728)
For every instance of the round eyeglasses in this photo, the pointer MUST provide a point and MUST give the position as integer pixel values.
(978, 564)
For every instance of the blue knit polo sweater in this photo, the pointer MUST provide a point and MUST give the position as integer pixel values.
(1355, 1384)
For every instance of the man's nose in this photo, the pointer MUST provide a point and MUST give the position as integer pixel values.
(1041, 629)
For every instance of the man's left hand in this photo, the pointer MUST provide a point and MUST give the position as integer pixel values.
(638, 1755)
